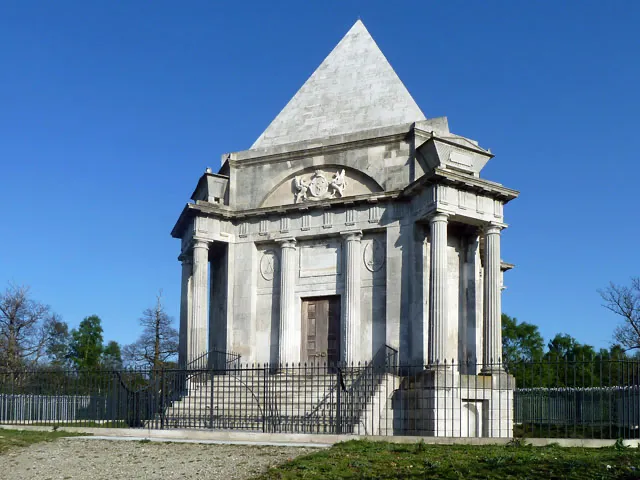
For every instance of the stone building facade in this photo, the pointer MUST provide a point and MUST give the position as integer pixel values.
(353, 222)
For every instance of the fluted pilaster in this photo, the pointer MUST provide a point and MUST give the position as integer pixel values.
(288, 347)
(353, 258)
(185, 306)
(197, 329)
(492, 326)
(438, 313)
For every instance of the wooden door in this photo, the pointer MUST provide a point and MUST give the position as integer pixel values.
(321, 329)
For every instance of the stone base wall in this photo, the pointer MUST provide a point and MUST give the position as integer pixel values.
(444, 403)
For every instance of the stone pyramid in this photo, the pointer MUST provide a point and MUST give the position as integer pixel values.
(355, 88)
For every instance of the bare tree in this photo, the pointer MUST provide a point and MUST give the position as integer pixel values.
(625, 302)
(23, 327)
(158, 343)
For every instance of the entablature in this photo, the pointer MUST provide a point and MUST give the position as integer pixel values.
(464, 182)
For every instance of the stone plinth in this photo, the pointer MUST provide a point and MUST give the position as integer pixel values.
(443, 403)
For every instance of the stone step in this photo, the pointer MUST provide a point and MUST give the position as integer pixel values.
(255, 406)
(260, 407)
(272, 396)
(269, 381)
(270, 388)
(259, 393)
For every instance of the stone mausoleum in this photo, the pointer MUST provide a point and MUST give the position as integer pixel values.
(353, 222)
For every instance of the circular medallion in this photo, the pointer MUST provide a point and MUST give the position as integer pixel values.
(319, 185)
(373, 256)
(268, 264)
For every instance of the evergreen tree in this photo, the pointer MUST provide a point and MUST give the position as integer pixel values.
(58, 340)
(86, 346)
(112, 356)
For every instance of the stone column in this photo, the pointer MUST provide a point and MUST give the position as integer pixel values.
(185, 306)
(288, 347)
(438, 313)
(353, 258)
(492, 326)
(197, 329)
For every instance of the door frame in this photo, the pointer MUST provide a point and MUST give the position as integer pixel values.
(303, 324)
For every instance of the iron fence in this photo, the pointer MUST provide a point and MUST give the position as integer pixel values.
(562, 398)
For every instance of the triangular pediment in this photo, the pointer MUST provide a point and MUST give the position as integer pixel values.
(355, 88)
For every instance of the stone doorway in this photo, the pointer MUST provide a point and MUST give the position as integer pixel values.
(321, 330)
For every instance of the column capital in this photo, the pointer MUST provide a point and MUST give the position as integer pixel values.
(352, 235)
(439, 217)
(200, 243)
(289, 242)
(492, 228)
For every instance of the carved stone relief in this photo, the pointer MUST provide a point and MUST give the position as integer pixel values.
(318, 187)
(374, 255)
(269, 264)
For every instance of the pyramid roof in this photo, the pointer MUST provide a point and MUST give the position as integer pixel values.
(355, 88)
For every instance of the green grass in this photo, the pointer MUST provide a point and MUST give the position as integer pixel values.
(23, 438)
(362, 459)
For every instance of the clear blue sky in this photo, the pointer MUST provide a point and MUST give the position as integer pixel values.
(110, 111)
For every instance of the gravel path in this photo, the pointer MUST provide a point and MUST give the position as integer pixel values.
(114, 460)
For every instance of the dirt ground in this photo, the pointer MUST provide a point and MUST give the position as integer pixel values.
(77, 458)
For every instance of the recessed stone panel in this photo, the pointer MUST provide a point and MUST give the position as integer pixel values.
(320, 259)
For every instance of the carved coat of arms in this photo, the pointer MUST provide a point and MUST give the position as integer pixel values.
(317, 187)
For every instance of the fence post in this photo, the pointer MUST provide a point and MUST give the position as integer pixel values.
(162, 389)
(339, 402)
(264, 397)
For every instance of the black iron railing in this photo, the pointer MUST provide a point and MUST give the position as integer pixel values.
(216, 359)
(595, 398)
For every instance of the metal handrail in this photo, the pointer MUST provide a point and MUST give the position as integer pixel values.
(202, 362)
(384, 360)
(390, 356)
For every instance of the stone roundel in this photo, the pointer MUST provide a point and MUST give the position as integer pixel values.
(374, 256)
(319, 185)
(268, 264)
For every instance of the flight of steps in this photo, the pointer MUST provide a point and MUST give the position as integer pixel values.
(257, 401)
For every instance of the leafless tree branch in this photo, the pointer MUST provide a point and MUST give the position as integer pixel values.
(624, 301)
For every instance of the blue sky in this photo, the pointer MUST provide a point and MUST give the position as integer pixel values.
(110, 111)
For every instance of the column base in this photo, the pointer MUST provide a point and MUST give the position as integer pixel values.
(491, 370)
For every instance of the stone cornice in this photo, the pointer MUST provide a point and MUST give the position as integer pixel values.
(448, 141)
(463, 181)
(505, 266)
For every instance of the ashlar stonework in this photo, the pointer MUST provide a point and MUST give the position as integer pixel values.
(353, 223)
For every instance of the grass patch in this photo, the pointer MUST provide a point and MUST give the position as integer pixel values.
(23, 438)
(364, 459)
